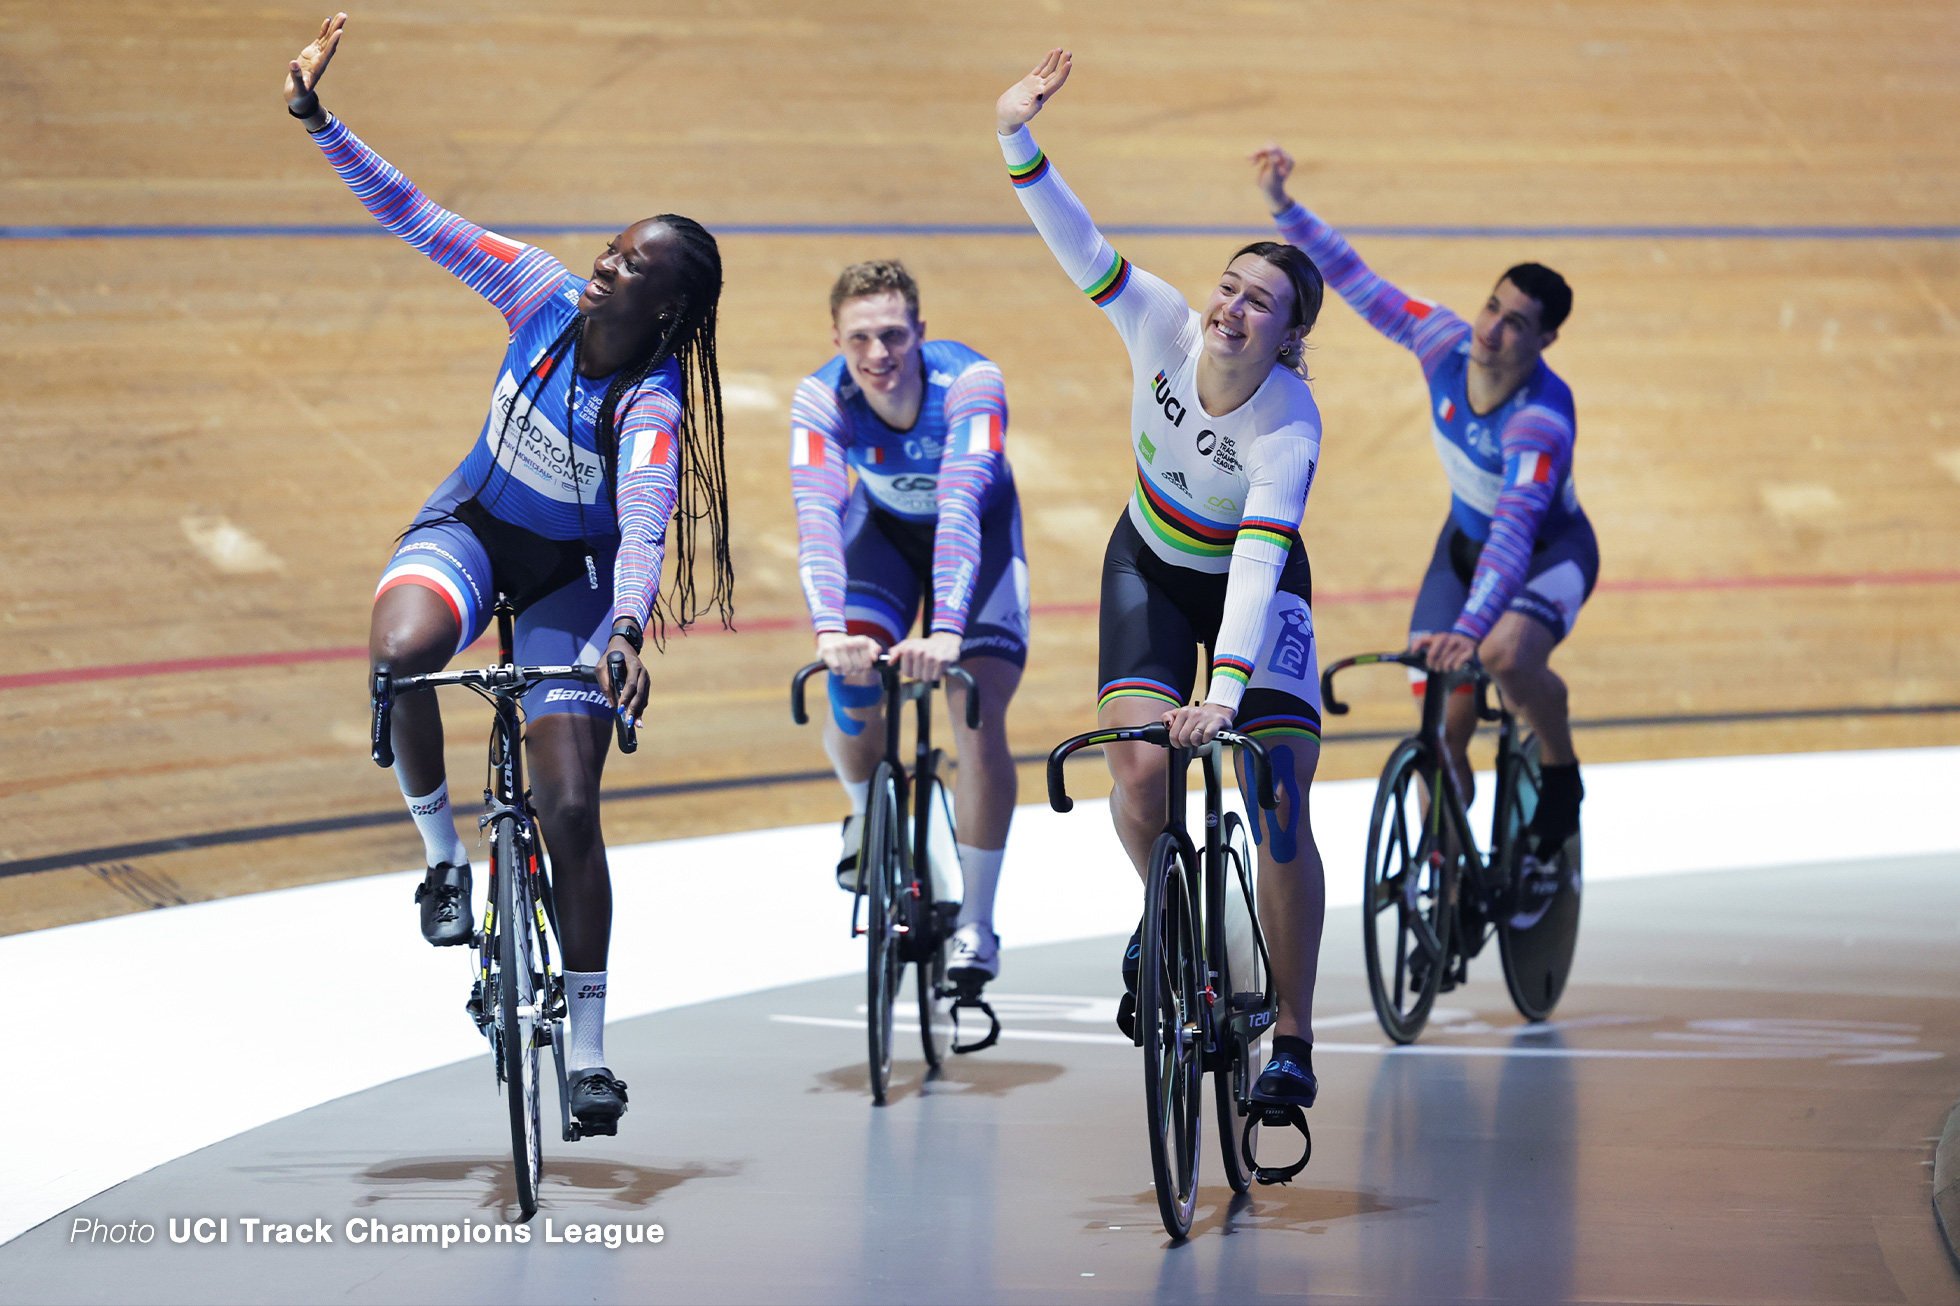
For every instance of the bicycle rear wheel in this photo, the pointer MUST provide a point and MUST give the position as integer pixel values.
(884, 881)
(1408, 890)
(933, 921)
(518, 1012)
(1536, 947)
(1244, 975)
(1169, 1022)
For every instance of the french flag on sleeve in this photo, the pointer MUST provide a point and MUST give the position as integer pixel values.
(650, 448)
(501, 248)
(1533, 468)
(983, 434)
(805, 447)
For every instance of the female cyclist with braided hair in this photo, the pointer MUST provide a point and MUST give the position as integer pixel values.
(604, 419)
(1226, 437)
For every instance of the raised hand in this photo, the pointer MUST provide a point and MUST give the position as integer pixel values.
(1023, 100)
(303, 74)
(1272, 166)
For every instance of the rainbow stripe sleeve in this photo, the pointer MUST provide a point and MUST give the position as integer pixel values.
(821, 486)
(1429, 330)
(1537, 444)
(973, 464)
(515, 277)
(1063, 222)
(649, 479)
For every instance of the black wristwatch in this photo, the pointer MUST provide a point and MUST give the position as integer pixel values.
(629, 630)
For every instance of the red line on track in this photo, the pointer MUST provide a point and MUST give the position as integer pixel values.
(294, 657)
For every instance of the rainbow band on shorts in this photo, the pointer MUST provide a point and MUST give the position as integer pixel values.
(1281, 726)
(1138, 687)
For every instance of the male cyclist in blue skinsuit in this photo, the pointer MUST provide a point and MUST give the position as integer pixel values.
(1517, 558)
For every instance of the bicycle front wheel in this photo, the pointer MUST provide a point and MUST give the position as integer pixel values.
(1535, 938)
(1406, 897)
(883, 871)
(1242, 970)
(935, 908)
(1168, 988)
(518, 1011)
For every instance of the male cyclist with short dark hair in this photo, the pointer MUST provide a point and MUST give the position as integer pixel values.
(1517, 558)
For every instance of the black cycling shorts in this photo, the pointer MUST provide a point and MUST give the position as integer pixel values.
(1155, 615)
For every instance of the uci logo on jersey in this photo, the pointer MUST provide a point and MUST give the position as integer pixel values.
(1173, 410)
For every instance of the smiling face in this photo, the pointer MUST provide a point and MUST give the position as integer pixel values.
(880, 340)
(636, 278)
(1506, 335)
(1250, 312)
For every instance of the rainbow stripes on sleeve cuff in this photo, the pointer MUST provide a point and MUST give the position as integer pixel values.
(1110, 284)
(1027, 174)
(1282, 535)
(1231, 668)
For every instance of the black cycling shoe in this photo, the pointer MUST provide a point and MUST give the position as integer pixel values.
(1126, 1007)
(1287, 1080)
(444, 897)
(1560, 793)
(598, 1100)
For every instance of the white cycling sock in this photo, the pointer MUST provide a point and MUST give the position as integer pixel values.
(440, 842)
(585, 1017)
(980, 868)
(860, 792)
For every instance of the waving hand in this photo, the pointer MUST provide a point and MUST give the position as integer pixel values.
(303, 74)
(1023, 100)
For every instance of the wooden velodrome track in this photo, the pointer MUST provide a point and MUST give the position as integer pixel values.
(1769, 420)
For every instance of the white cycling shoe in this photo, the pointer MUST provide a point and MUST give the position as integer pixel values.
(975, 952)
(847, 860)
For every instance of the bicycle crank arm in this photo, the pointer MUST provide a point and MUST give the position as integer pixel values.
(556, 1033)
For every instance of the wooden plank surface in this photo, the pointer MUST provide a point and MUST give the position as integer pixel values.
(1751, 410)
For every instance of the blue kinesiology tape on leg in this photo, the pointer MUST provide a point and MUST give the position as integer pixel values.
(1286, 840)
(844, 694)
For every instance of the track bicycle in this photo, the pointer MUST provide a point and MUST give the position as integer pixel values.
(899, 906)
(1205, 995)
(1430, 899)
(517, 998)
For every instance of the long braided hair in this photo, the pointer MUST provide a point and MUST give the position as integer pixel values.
(687, 335)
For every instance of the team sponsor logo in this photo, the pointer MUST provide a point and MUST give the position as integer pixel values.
(1478, 437)
(439, 804)
(1220, 503)
(939, 379)
(924, 449)
(1149, 449)
(1293, 650)
(1226, 457)
(1173, 409)
(576, 696)
(1207, 441)
(1177, 479)
(539, 454)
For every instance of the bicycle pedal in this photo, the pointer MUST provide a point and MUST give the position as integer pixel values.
(582, 1130)
(1276, 1117)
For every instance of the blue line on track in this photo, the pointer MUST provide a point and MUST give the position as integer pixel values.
(305, 231)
